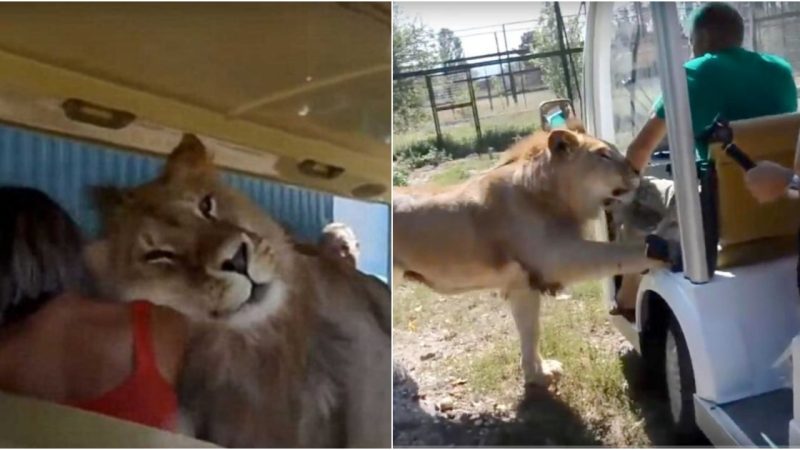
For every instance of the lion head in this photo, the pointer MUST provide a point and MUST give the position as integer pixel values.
(188, 241)
(574, 169)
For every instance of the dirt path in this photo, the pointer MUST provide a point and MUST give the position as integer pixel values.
(458, 381)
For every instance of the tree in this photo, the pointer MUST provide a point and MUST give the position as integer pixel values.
(545, 39)
(449, 45)
(414, 48)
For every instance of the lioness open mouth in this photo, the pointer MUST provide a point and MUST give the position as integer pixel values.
(617, 196)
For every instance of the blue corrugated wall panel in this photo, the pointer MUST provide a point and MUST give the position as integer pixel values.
(64, 168)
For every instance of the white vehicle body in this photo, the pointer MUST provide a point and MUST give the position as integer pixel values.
(738, 323)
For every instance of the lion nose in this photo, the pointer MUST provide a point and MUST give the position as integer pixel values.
(238, 263)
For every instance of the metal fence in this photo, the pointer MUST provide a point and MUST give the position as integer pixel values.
(473, 97)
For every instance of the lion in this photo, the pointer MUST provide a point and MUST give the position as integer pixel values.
(518, 227)
(286, 349)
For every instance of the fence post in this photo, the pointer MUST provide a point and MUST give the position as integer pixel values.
(502, 71)
(562, 47)
(510, 70)
(475, 110)
(435, 112)
(489, 89)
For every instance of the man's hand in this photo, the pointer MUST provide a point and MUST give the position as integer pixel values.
(768, 181)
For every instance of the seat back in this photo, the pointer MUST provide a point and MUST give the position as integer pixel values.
(748, 231)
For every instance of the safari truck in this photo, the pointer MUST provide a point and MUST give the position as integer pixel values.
(293, 100)
(720, 333)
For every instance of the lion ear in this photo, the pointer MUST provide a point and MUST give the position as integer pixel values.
(575, 124)
(562, 141)
(189, 157)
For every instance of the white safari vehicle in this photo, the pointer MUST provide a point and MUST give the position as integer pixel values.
(284, 95)
(720, 333)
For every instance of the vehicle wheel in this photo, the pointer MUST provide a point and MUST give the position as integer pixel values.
(679, 377)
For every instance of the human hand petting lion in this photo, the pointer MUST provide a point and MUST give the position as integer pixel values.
(287, 349)
(517, 227)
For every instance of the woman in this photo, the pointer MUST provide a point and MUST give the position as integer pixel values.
(58, 344)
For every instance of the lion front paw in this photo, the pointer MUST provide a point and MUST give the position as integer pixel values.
(549, 373)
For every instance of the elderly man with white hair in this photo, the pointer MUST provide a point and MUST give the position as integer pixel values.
(338, 242)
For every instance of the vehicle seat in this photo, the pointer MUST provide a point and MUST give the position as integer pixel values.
(747, 231)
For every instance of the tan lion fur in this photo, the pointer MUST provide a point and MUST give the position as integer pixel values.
(518, 227)
(287, 349)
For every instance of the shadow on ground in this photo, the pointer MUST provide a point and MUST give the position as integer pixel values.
(540, 420)
(651, 401)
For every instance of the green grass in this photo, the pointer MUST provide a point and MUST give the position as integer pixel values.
(494, 368)
(575, 331)
(455, 172)
(465, 131)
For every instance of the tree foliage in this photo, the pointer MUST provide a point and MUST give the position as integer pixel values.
(449, 45)
(415, 47)
(544, 38)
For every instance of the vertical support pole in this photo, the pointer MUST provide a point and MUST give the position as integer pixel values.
(563, 50)
(681, 139)
(510, 70)
(435, 111)
(489, 88)
(502, 70)
(474, 109)
(522, 87)
(753, 44)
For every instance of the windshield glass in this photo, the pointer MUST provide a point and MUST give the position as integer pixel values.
(770, 27)
(634, 71)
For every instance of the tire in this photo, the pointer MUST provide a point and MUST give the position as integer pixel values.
(680, 387)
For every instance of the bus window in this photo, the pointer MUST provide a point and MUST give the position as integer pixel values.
(776, 29)
(771, 27)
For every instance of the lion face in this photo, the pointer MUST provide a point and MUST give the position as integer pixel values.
(187, 241)
(592, 169)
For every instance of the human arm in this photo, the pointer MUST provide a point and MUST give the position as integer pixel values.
(645, 142)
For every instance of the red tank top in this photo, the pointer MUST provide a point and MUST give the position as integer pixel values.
(145, 397)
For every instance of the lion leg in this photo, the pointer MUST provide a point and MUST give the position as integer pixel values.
(586, 260)
(525, 307)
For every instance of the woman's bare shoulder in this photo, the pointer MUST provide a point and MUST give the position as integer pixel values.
(70, 310)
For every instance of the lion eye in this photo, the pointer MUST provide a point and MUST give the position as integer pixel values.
(160, 256)
(604, 154)
(207, 207)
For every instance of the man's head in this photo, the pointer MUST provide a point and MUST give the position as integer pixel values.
(714, 27)
(338, 242)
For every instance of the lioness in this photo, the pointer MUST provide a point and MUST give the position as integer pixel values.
(518, 227)
(287, 349)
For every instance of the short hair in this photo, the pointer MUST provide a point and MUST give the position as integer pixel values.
(338, 228)
(721, 21)
(41, 253)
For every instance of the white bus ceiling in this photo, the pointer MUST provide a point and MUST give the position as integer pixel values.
(273, 85)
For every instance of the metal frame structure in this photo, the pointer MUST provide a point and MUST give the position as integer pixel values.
(680, 135)
(465, 65)
(735, 324)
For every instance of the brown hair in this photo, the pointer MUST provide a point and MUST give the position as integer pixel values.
(40, 253)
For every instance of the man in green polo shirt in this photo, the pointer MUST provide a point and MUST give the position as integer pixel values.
(722, 78)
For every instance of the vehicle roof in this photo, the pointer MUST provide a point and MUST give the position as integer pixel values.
(274, 84)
